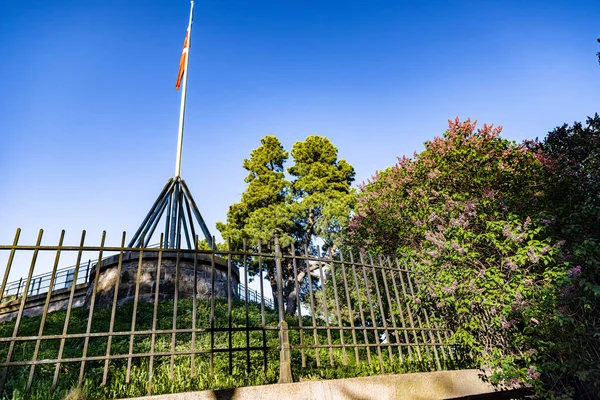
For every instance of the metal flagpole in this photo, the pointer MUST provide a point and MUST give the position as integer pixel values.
(176, 193)
(183, 94)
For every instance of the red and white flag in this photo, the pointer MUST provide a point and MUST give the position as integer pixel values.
(182, 60)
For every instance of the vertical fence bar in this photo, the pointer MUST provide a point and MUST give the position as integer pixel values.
(285, 365)
(410, 313)
(278, 276)
(212, 308)
(114, 309)
(389, 302)
(87, 270)
(19, 288)
(262, 305)
(298, 306)
(410, 316)
(229, 308)
(373, 320)
(45, 312)
(21, 307)
(325, 310)
(360, 308)
(449, 347)
(434, 347)
(9, 265)
(177, 276)
(92, 303)
(194, 303)
(350, 310)
(155, 314)
(433, 333)
(247, 316)
(312, 306)
(175, 306)
(380, 302)
(69, 306)
(337, 308)
(134, 312)
(400, 311)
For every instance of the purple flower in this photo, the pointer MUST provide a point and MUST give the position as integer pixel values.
(510, 264)
(563, 310)
(534, 258)
(547, 222)
(532, 374)
(417, 300)
(567, 291)
(452, 288)
(545, 250)
(574, 272)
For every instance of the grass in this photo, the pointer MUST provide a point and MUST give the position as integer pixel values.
(180, 380)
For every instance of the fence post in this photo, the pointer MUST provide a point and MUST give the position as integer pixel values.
(285, 366)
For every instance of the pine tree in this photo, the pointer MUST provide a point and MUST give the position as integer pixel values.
(316, 204)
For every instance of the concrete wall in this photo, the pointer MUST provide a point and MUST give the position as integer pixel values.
(420, 386)
(35, 304)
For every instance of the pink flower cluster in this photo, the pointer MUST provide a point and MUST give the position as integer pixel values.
(532, 374)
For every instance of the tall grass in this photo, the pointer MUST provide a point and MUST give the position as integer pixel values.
(181, 379)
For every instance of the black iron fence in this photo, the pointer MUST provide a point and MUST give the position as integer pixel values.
(337, 308)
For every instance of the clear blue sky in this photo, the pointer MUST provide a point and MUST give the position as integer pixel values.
(89, 112)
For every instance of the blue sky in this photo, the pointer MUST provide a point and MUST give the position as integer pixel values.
(89, 112)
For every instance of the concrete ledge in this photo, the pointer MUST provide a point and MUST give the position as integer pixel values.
(34, 305)
(418, 386)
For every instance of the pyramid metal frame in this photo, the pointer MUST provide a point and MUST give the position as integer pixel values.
(181, 210)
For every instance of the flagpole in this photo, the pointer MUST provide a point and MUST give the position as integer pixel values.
(183, 95)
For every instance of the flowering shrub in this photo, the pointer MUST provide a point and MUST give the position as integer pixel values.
(571, 156)
(478, 214)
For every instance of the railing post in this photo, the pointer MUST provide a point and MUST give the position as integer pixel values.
(19, 288)
(285, 365)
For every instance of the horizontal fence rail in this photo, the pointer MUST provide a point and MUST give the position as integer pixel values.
(150, 315)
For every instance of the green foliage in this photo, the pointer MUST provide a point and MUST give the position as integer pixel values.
(571, 155)
(316, 203)
(472, 211)
(322, 195)
(264, 203)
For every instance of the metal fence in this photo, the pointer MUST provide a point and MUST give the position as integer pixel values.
(336, 308)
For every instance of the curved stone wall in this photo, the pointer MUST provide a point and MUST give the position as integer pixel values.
(168, 277)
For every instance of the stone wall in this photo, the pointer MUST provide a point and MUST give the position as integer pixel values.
(168, 277)
(147, 286)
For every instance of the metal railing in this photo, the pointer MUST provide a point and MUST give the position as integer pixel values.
(41, 283)
(347, 308)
